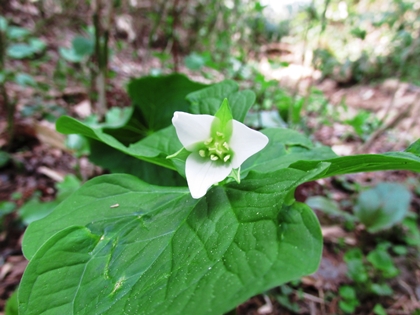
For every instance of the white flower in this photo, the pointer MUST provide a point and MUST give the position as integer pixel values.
(214, 153)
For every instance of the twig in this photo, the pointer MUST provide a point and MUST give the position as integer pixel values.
(312, 308)
(410, 292)
(322, 296)
(311, 297)
(391, 124)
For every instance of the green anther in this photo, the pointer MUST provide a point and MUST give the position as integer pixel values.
(226, 158)
(213, 157)
(220, 134)
(202, 153)
(225, 145)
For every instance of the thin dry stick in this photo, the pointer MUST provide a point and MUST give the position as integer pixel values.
(410, 291)
(322, 296)
(391, 124)
(312, 298)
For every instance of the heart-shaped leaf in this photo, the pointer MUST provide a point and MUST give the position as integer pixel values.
(123, 246)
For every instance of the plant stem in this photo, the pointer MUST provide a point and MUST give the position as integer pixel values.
(101, 53)
(9, 107)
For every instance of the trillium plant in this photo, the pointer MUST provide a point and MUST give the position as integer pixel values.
(197, 215)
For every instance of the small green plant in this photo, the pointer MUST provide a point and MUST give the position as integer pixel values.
(383, 206)
(379, 310)
(283, 297)
(21, 43)
(369, 275)
(364, 123)
(81, 49)
(15, 43)
(349, 300)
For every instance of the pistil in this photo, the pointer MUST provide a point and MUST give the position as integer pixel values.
(216, 148)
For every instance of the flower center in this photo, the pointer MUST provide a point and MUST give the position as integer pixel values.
(216, 148)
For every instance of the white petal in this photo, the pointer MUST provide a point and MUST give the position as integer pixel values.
(202, 173)
(192, 129)
(245, 142)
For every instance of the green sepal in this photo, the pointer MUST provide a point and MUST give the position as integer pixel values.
(414, 148)
(236, 174)
(177, 153)
(223, 121)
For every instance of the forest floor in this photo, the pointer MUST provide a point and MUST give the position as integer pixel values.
(40, 160)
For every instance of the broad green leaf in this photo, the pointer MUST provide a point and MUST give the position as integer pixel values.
(194, 61)
(22, 50)
(219, 91)
(365, 163)
(128, 247)
(208, 100)
(83, 46)
(414, 148)
(15, 32)
(19, 51)
(37, 45)
(12, 304)
(159, 97)
(328, 206)
(240, 103)
(383, 206)
(24, 79)
(284, 148)
(117, 117)
(70, 54)
(149, 149)
(3, 24)
(118, 162)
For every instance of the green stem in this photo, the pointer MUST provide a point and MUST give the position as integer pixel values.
(9, 107)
